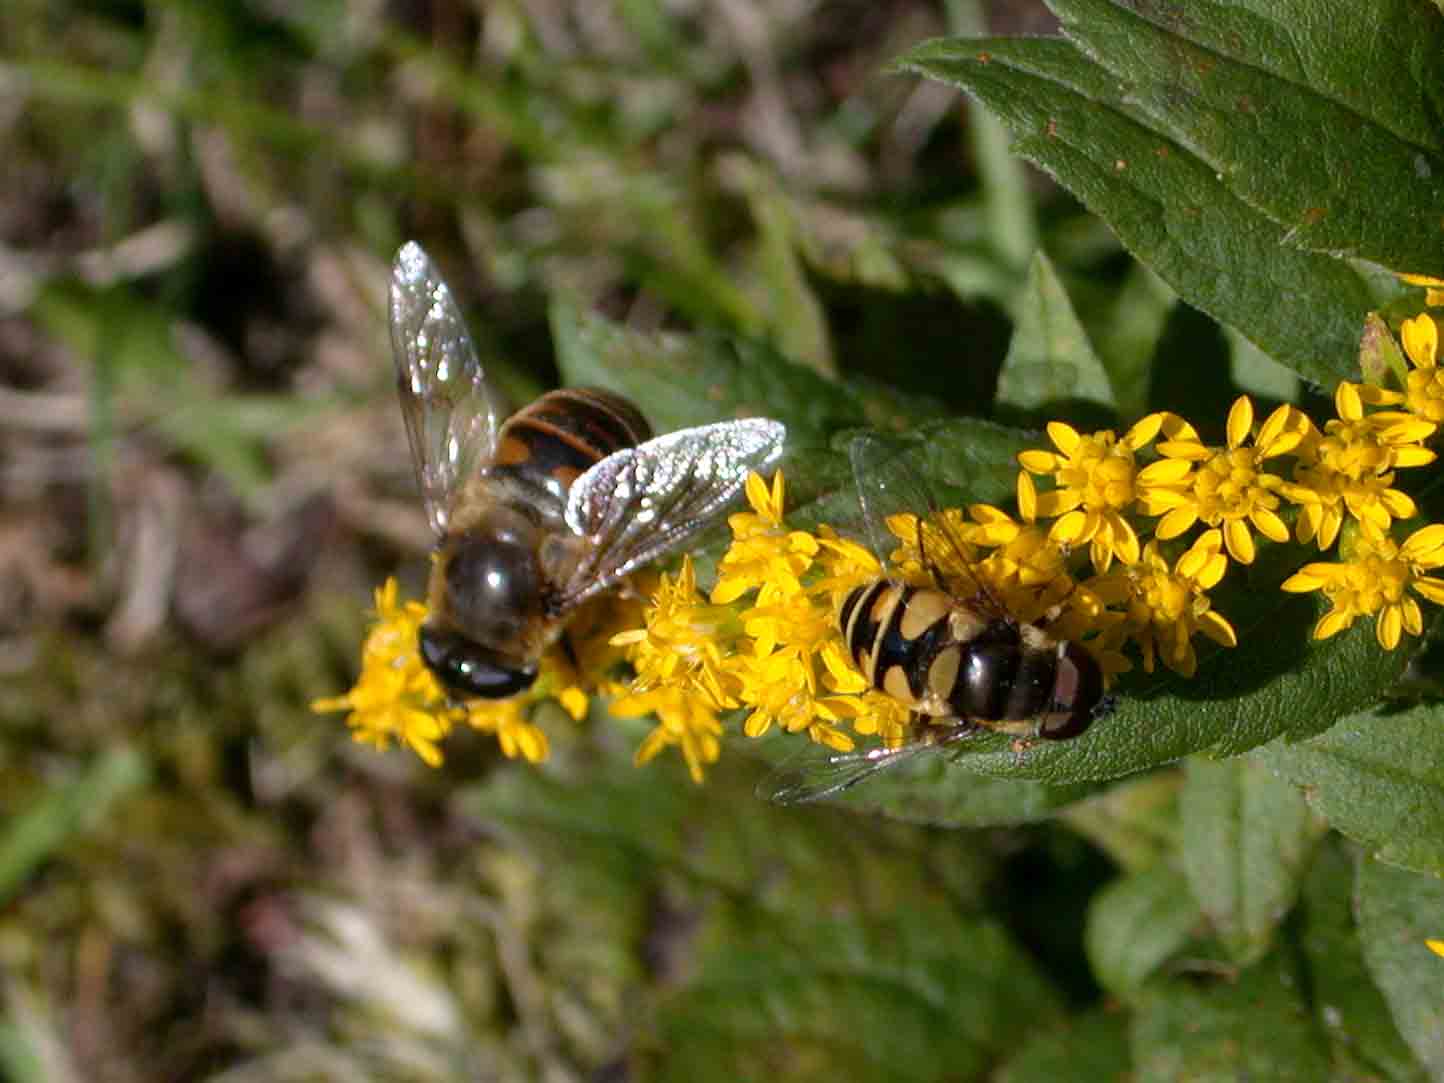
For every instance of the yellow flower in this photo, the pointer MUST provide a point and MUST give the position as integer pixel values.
(683, 641)
(1436, 946)
(506, 718)
(1434, 288)
(1226, 487)
(396, 697)
(1093, 485)
(1350, 468)
(1374, 580)
(1423, 394)
(763, 554)
(685, 718)
(1167, 606)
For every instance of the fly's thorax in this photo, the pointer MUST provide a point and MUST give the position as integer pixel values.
(551, 442)
(488, 585)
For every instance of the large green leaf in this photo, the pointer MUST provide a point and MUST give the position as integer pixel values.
(1247, 838)
(1399, 910)
(795, 943)
(1170, 208)
(927, 789)
(682, 380)
(1329, 123)
(1347, 1004)
(1050, 362)
(1091, 1048)
(1378, 777)
(1138, 923)
(1206, 1028)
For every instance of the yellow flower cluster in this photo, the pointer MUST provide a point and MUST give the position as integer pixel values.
(763, 640)
(397, 698)
(1099, 549)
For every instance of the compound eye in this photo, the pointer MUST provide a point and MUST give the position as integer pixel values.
(1078, 696)
(469, 670)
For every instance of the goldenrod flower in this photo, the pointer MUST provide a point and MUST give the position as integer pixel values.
(686, 719)
(764, 554)
(1374, 580)
(1434, 288)
(683, 641)
(1350, 468)
(1423, 394)
(396, 697)
(506, 719)
(1167, 606)
(1436, 946)
(1227, 487)
(1093, 485)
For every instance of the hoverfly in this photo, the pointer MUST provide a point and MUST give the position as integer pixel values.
(555, 505)
(951, 652)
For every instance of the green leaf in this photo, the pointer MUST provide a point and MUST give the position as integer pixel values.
(1247, 839)
(1347, 1005)
(680, 380)
(1135, 822)
(1050, 362)
(1091, 1048)
(1378, 777)
(1168, 207)
(1136, 924)
(1398, 911)
(1128, 340)
(928, 789)
(796, 943)
(1330, 125)
(1205, 1028)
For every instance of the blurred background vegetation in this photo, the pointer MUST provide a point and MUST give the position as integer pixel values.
(204, 475)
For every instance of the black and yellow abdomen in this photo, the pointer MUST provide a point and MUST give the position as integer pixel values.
(940, 657)
(551, 442)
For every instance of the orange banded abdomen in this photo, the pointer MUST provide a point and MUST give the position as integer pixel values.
(557, 437)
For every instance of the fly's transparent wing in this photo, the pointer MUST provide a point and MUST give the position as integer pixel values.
(452, 414)
(815, 774)
(889, 485)
(643, 502)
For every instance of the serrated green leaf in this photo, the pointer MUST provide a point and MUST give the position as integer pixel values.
(928, 789)
(1240, 83)
(1398, 910)
(1091, 1048)
(1050, 361)
(796, 941)
(683, 380)
(1138, 923)
(1222, 1028)
(1072, 118)
(1347, 1005)
(1247, 839)
(1378, 777)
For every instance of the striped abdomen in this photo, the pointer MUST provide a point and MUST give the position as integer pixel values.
(551, 442)
(941, 658)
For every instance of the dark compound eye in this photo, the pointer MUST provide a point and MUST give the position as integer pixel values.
(470, 670)
(1079, 699)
